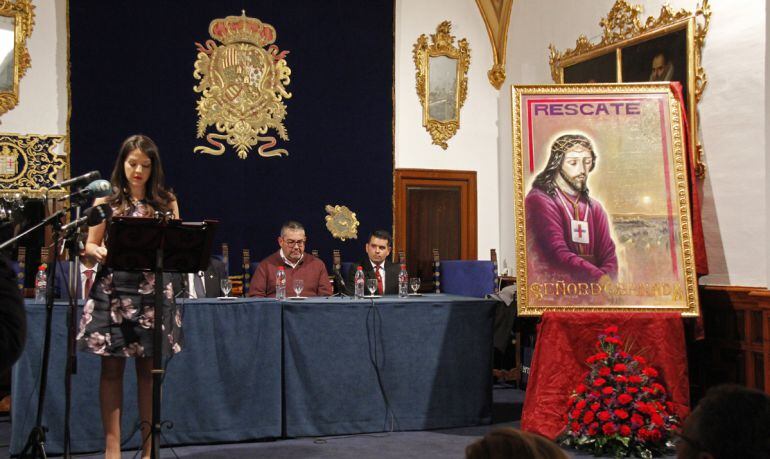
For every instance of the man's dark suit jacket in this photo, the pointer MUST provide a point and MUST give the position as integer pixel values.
(211, 280)
(61, 288)
(391, 277)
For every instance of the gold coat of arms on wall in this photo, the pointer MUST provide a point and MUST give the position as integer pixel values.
(30, 166)
(242, 84)
(341, 222)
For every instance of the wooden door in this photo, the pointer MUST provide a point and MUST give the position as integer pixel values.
(434, 209)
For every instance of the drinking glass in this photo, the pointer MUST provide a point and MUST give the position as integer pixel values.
(415, 284)
(299, 284)
(371, 285)
(226, 286)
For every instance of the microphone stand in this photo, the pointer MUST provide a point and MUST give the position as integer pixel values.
(72, 243)
(35, 446)
(51, 219)
(340, 283)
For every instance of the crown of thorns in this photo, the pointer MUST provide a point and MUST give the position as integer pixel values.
(565, 142)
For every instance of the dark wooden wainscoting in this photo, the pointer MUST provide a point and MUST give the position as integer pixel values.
(434, 209)
(737, 345)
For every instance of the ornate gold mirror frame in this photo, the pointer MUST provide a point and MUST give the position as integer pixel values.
(16, 21)
(442, 81)
(625, 38)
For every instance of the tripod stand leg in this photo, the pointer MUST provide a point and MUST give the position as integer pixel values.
(35, 447)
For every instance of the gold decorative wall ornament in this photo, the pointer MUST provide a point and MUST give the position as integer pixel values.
(17, 18)
(442, 81)
(29, 166)
(624, 34)
(341, 222)
(497, 15)
(243, 84)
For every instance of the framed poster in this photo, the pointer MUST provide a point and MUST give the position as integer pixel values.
(601, 200)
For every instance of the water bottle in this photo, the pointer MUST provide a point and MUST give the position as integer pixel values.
(280, 284)
(403, 282)
(360, 281)
(41, 280)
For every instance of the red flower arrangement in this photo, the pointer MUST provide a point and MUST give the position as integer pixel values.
(620, 409)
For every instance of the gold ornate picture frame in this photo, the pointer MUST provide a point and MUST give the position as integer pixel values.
(16, 21)
(668, 47)
(601, 200)
(442, 81)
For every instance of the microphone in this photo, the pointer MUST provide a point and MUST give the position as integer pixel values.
(95, 189)
(85, 178)
(183, 283)
(339, 277)
(91, 216)
(340, 281)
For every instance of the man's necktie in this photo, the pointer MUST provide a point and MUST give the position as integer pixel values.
(200, 291)
(89, 282)
(380, 289)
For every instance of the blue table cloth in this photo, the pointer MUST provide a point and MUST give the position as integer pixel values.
(355, 366)
(340, 366)
(225, 385)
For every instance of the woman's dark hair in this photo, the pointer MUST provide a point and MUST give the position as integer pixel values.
(157, 196)
(508, 442)
(546, 179)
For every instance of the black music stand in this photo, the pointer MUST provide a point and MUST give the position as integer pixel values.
(158, 245)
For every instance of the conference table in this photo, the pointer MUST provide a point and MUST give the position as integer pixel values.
(254, 368)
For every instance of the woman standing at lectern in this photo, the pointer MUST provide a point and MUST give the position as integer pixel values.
(118, 317)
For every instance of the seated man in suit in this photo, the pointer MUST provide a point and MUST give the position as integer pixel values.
(87, 269)
(203, 284)
(377, 265)
(296, 263)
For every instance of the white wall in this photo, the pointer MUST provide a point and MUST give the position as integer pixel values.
(475, 145)
(42, 105)
(767, 129)
(732, 115)
(733, 111)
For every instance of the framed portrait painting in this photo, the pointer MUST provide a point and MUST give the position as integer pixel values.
(601, 200)
(663, 48)
(600, 69)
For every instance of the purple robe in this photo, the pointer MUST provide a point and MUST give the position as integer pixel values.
(551, 253)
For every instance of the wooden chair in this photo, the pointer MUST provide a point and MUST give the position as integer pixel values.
(436, 271)
(336, 269)
(245, 266)
(226, 256)
(22, 266)
(493, 257)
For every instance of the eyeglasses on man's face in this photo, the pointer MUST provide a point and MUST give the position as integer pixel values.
(293, 243)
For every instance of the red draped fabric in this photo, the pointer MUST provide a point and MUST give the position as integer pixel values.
(698, 241)
(565, 340)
